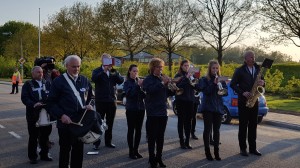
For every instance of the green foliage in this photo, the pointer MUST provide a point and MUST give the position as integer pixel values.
(292, 88)
(273, 81)
(289, 70)
(6, 67)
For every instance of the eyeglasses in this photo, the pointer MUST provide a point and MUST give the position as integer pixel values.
(159, 66)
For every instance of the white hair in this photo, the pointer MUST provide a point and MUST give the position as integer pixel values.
(248, 52)
(71, 57)
(36, 67)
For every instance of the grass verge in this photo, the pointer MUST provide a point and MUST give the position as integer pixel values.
(278, 103)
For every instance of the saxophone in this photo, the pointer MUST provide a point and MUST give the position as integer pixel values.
(256, 91)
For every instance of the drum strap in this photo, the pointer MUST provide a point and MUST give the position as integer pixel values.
(76, 93)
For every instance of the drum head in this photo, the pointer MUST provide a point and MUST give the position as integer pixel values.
(90, 137)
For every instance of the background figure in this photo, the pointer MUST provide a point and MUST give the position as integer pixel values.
(135, 110)
(106, 78)
(49, 73)
(184, 104)
(68, 107)
(155, 86)
(212, 107)
(242, 82)
(15, 80)
(194, 115)
(34, 95)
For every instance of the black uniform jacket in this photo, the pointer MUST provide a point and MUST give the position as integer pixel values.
(30, 96)
(62, 99)
(105, 86)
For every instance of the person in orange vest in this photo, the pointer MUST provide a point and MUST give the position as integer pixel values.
(16, 79)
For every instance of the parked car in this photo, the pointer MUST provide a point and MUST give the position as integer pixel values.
(230, 106)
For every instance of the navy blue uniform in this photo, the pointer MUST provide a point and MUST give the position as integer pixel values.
(212, 108)
(62, 100)
(135, 112)
(184, 104)
(157, 116)
(105, 96)
(30, 96)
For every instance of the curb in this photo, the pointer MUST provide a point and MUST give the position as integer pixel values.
(281, 124)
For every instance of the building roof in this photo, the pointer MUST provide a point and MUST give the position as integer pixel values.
(139, 55)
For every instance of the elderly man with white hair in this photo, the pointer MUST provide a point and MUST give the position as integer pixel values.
(66, 106)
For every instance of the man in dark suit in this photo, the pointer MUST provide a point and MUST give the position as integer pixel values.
(242, 82)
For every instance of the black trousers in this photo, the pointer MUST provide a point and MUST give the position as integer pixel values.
(212, 121)
(68, 143)
(156, 127)
(194, 118)
(185, 109)
(134, 122)
(247, 124)
(15, 86)
(38, 135)
(107, 110)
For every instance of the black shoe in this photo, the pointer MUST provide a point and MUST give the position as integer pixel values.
(208, 156)
(138, 155)
(132, 156)
(217, 156)
(110, 145)
(96, 147)
(153, 163)
(182, 145)
(161, 163)
(46, 158)
(33, 161)
(194, 137)
(255, 152)
(188, 146)
(244, 153)
(11, 93)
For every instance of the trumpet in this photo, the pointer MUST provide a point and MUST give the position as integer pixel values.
(172, 85)
(221, 91)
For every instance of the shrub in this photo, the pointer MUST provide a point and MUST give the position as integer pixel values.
(273, 81)
(292, 88)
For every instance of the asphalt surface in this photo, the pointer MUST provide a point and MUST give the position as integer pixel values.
(282, 119)
(279, 144)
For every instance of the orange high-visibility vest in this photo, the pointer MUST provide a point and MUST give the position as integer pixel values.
(16, 77)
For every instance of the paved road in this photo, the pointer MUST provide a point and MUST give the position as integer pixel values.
(280, 145)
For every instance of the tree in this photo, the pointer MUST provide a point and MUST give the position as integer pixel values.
(22, 40)
(282, 20)
(221, 23)
(127, 22)
(69, 31)
(168, 24)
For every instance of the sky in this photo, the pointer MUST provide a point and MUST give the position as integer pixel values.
(28, 11)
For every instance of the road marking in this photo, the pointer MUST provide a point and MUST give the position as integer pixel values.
(15, 134)
(1, 126)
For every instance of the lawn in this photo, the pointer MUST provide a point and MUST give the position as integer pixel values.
(282, 104)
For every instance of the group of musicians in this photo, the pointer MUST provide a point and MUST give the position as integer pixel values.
(67, 97)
